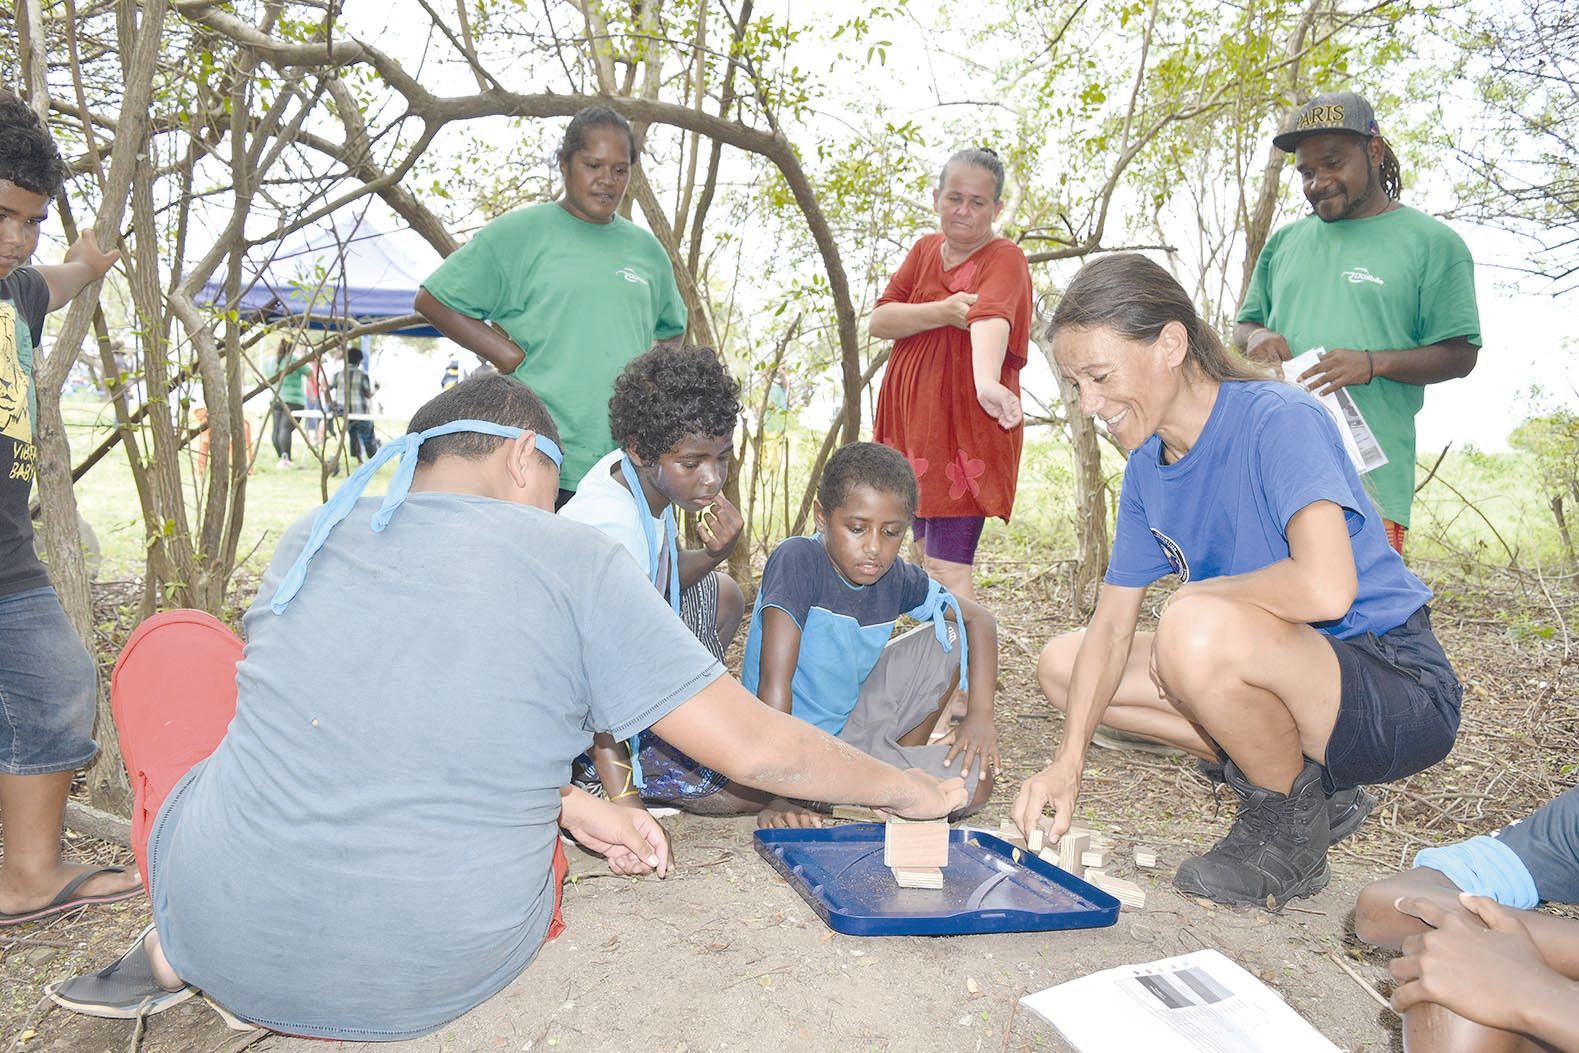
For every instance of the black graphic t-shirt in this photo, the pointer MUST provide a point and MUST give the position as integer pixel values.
(24, 300)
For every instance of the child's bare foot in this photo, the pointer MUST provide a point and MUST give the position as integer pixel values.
(784, 814)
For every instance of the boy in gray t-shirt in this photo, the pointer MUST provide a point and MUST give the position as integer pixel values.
(370, 851)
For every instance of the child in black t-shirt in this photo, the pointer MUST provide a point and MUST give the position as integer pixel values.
(47, 677)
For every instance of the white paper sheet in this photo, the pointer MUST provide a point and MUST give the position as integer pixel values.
(1358, 439)
(1196, 1003)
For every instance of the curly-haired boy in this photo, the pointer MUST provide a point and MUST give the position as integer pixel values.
(673, 413)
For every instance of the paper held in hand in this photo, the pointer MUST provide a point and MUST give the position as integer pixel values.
(1199, 1002)
(1358, 439)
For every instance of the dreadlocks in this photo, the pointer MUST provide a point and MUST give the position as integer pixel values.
(1392, 176)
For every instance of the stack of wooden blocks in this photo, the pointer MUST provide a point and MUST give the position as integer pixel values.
(916, 852)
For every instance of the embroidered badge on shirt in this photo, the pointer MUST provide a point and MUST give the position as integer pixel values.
(1174, 555)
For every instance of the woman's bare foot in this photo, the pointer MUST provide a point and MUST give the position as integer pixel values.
(163, 973)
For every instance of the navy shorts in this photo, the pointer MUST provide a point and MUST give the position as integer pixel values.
(1398, 713)
(48, 687)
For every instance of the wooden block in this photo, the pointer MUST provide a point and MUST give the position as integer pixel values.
(1145, 857)
(915, 844)
(855, 813)
(1048, 855)
(1094, 875)
(1093, 857)
(918, 877)
(1007, 831)
(1126, 892)
(1071, 847)
(1033, 840)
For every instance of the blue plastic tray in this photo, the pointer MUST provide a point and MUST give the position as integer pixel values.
(839, 871)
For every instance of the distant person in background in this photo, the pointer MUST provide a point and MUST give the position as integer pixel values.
(959, 313)
(573, 290)
(290, 397)
(452, 375)
(47, 677)
(312, 388)
(1387, 290)
(353, 395)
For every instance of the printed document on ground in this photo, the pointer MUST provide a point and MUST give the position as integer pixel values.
(1358, 439)
(1196, 1003)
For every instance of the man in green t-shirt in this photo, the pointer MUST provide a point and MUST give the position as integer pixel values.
(1387, 290)
(573, 290)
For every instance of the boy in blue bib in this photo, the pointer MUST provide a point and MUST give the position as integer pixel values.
(819, 647)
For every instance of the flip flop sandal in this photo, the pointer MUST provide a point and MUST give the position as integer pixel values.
(69, 900)
(122, 990)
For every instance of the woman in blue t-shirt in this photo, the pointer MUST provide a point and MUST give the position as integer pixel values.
(1296, 658)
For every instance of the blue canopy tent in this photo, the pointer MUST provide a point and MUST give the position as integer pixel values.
(334, 276)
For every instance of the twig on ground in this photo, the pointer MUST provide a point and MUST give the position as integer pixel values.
(40, 1009)
(1357, 978)
(138, 1025)
(757, 976)
(1562, 623)
(33, 941)
(1008, 1029)
(238, 1043)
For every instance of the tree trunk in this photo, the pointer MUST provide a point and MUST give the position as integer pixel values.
(1562, 528)
(1091, 536)
(1258, 225)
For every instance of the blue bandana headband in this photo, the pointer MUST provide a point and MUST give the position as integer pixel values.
(339, 506)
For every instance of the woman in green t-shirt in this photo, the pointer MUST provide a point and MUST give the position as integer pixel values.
(564, 294)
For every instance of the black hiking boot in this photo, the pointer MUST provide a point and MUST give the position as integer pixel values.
(1275, 851)
(1346, 809)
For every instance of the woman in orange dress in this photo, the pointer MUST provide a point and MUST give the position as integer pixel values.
(959, 313)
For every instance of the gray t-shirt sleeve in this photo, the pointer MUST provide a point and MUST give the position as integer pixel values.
(1548, 845)
(641, 662)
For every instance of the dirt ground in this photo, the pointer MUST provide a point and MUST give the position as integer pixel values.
(724, 955)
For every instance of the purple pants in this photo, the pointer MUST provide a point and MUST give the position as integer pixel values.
(950, 538)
